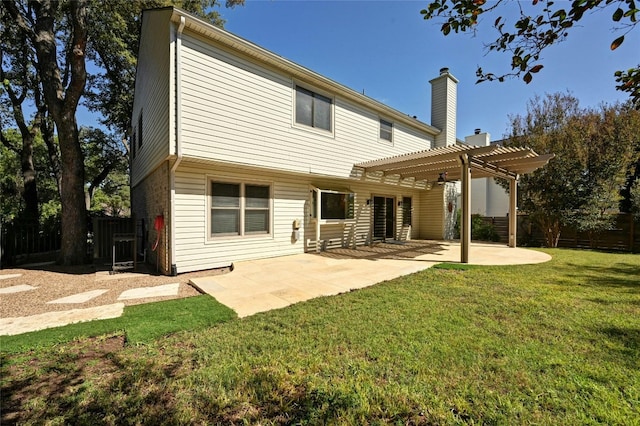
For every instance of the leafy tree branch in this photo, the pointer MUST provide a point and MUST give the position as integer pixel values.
(539, 25)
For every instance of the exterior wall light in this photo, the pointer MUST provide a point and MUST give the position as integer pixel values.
(442, 178)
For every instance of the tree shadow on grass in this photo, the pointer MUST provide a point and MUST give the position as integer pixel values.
(627, 341)
(617, 275)
(274, 397)
(90, 382)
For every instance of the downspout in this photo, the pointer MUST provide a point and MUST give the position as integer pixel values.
(172, 171)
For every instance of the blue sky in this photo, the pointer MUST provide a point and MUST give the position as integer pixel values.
(386, 49)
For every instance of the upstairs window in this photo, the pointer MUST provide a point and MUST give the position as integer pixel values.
(312, 109)
(386, 130)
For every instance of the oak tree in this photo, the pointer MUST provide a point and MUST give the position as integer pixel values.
(63, 37)
(539, 25)
(594, 149)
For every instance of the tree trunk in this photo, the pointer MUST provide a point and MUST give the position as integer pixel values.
(95, 183)
(52, 151)
(30, 194)
(28, 134)
(551, 229)
(74, 218)
(63, 102)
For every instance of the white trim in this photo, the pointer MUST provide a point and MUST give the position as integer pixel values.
(209, 238)
(172, 170)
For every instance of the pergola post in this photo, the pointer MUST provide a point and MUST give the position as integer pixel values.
(465, 234)
(513, 211)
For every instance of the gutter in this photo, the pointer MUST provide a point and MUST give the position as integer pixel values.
(178, 147)
(297, 71)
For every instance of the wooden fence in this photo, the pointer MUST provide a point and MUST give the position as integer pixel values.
(623, 236)
(28, 243)
(20, 244)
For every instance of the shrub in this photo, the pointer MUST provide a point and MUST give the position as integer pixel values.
(480, 230)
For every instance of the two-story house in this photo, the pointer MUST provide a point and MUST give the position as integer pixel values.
(239, 153)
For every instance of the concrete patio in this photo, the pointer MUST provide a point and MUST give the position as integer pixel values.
(261, 285)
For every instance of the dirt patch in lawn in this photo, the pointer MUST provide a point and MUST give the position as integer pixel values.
(40, 377)
(90, 381)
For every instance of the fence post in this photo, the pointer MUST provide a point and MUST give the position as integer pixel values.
(631, 232)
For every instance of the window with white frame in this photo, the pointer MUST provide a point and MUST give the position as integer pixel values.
(240, 209)
(313, 109)
(334, 205)
(386, 130)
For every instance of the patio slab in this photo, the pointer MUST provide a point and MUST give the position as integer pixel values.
(17, 288)
(80, 297)
(265, 284)
(19, 325)
(156, 291)
(9, 276)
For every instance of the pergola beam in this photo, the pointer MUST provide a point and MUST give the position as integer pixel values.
(505, 156)
(442, 158)
(458, 162)
(491, 168)
(438, 155)
(439, 166)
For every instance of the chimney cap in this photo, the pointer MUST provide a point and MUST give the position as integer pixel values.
(444, 70)
(477, 131)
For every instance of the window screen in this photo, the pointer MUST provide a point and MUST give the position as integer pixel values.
(225, 208)
(312, 109)
(386, 130)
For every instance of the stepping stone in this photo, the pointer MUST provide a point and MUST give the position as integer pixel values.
(18, 325)
(7, 276)
(144, 292)
(17, 288)
(80, 297)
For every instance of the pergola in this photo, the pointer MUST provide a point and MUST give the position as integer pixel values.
(460, 162)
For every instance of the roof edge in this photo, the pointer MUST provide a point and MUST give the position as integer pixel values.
(297, 71)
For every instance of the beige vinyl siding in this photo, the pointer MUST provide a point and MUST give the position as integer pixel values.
(291, 200)
(432, 218)
(443, 109)
(152, 94)
(195, 250)
(238, 111)
(358, 231)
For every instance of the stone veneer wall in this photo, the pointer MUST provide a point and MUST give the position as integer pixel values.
(149, 199)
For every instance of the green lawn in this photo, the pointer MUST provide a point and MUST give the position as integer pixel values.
(138, 323)
(554, 343)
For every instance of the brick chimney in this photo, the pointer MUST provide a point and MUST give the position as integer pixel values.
(444, 93)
